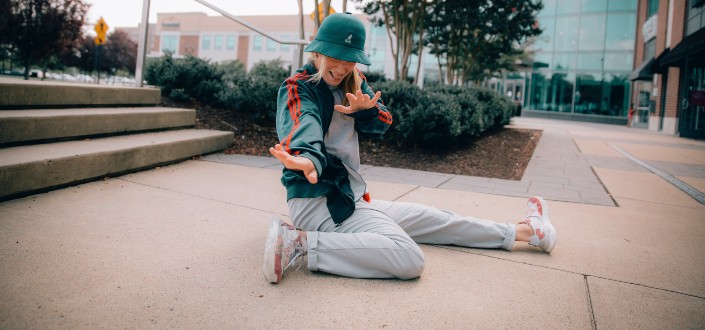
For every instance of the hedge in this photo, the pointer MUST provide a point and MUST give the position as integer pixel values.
(442, 117)
(438, 117)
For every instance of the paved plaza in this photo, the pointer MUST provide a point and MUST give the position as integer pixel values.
(181, 246)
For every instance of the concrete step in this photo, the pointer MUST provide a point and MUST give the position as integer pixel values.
(21, 126)
(30, 169)
(23, 94)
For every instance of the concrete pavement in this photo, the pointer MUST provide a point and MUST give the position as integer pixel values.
(181, 247)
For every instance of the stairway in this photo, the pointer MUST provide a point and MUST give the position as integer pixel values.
(53, 135)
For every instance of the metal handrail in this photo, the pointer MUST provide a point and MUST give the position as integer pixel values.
(252, 27)
(144, 27)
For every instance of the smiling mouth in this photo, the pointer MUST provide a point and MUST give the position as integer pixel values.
(334, 76)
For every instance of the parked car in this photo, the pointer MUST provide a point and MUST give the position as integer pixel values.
(34, 73)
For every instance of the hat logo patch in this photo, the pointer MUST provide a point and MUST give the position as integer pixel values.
(349, 39)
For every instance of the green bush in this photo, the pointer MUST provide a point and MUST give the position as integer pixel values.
(401, 98)
(256, 92)
(435, 118)
(375, 76)
(441, 117)
(187, 78)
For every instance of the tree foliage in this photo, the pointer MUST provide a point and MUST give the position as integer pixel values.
(405, 23)
(39, 29)
(119, 53)
(472, 39)
(475, 41)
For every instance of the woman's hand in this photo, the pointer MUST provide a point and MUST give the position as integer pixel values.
(358, 101)
(295, 163)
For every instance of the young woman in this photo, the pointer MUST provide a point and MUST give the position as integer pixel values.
(322, 110)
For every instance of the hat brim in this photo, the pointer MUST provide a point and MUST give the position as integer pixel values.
(338, 52)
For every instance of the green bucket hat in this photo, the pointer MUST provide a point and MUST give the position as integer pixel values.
(341, 36)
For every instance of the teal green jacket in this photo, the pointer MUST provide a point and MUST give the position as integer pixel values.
(304, 112)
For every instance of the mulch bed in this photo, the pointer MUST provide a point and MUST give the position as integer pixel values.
(501, 154)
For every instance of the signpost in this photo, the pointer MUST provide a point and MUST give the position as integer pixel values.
(320, 13)
(101, 28)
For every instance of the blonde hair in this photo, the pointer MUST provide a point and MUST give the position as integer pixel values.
(350, 84)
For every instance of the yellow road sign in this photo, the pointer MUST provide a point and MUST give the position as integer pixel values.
(320, 12)
(101, 27)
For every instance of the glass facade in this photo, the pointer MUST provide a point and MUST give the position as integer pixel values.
(583, 58)
(696, 17)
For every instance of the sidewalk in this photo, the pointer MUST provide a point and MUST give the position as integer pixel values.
(181, 246)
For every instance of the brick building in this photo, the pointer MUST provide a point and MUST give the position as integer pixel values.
(669, 77)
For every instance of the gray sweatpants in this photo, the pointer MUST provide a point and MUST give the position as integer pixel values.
(379, 240)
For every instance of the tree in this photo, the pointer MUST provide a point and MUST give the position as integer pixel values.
(119, 53)
(5, 52)
(480, 40)
(84, 57)
(38, 29)
(473, 39)
(405, 24)
(5, 9)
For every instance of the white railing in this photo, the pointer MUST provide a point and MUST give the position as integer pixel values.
(144, 26)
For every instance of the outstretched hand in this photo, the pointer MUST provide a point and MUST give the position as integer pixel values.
(358, 101)
(295, 163)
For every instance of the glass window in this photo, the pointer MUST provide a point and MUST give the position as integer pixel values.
(652, 8)
(230, 42)
(206, 42)
(693, 25)
(588, 93)
(649, 49)
(696, 17)
(257, 42)
(271, 45)
(602, 94)
(594, 6)
(621, 29)
(590, 61)
(566, 34)
(169, 44)
(624, 5)
(564, 61)
(592, 32)
(285, 47)
(545, 41)
(549, 8)
(618, 94)
(618, 61)
(218, 42)
(552, 94)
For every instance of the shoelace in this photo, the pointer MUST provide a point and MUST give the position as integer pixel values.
(292, 246)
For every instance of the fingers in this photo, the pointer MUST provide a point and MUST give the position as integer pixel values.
(295, 163)
(377, 95)
(312, 176)
(279, 153)
(351, 97)
(343, 109)
(360, 100)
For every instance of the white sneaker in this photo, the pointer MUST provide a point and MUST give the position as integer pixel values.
(281, 249)
(537, 216)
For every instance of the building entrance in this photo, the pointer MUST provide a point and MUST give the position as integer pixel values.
(693, 101)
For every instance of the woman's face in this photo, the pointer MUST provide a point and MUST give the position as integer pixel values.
(335, 70)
